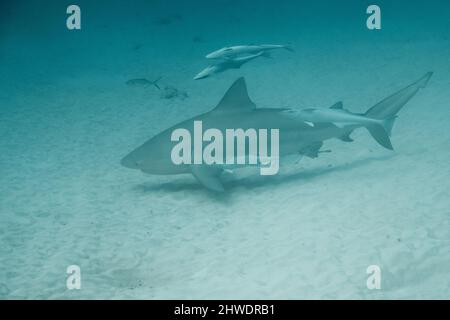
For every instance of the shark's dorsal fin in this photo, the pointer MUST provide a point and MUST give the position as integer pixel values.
(338, 105)
(236, 99)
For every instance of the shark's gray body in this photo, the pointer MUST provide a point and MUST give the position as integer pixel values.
(300, 132)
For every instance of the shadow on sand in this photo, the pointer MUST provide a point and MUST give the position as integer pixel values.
(258, 181)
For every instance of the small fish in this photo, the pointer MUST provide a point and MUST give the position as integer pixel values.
(198, 39)
(164, 21)
(170, 92)
(142, 82)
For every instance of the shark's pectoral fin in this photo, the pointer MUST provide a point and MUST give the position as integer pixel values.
(208, 176)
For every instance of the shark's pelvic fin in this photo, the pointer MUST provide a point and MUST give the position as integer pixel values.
(346, 137)
(338, 105)
(208, 176)
(312, 150)
(236, 99)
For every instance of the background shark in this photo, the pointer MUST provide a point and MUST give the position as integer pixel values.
(232, 63)
(230, 52)
(301, 132)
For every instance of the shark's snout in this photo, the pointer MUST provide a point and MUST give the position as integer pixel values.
(201, 75)
(216, 54)
(129, 162)
(205, 73)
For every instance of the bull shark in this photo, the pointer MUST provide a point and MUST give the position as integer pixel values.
(234, 51)
(234, 63)
(301, 132)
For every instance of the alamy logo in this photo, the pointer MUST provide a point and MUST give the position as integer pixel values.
(237, 147)
(73, 21)
(374, 20)
(74, 279)
(374, 279)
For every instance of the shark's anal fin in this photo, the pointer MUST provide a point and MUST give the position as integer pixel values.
(208, 176)
(312, 150)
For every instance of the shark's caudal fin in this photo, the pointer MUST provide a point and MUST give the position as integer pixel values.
(387, 110)
(380, 134)
(155, 83)
(388, 124)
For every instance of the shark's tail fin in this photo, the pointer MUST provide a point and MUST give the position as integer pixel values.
(155, 83)
(386, 111)
(388, 123)
(382, 131)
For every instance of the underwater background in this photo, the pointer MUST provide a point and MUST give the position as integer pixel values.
(68, 114)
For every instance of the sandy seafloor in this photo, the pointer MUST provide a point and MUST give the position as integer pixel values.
(67, 118)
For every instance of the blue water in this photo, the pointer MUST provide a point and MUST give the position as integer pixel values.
(67, 117)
